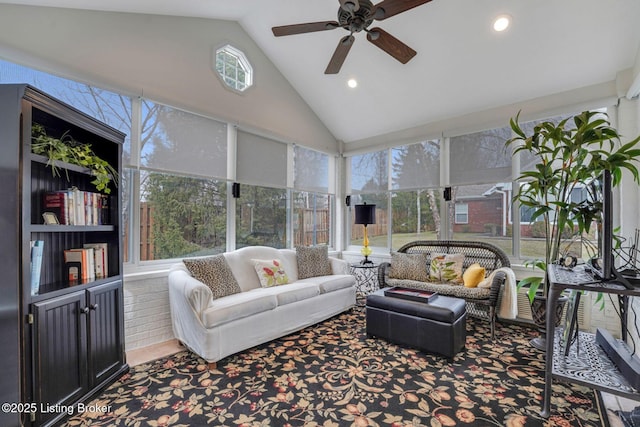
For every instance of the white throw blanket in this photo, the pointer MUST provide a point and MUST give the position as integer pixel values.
(509, 305)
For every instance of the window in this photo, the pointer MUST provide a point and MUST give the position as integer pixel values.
(415, 216)
(312, 218)
(462, 213)
(261, 217)
(181, 216)
(183, 188)
(233, 68)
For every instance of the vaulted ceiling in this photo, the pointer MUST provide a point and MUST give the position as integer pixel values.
(462, 65)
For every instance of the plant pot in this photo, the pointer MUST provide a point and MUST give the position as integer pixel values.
(539, 314)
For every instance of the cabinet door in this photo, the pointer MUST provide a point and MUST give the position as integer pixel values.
(106, 331)
(60, 353)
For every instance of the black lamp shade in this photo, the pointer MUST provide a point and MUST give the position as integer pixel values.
(365, 214)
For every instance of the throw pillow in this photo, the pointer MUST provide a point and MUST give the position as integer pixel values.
(409, 267)
(446, 268)
(313, 261)
(215, 273)
(473, 275)
(270, 272)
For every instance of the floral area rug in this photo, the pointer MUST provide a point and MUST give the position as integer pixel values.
(331, 374)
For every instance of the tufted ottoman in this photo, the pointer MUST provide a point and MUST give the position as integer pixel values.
(438, 326)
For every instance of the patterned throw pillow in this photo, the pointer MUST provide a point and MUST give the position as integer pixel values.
(446, 268)
(215, 273)
(313, 261)
(473, 275)
(270, 272)
(409, 267)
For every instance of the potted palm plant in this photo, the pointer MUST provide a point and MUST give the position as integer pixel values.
(570, 154)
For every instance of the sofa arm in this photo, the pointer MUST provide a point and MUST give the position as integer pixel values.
(339, 266)
(196, 293)
(383, 274)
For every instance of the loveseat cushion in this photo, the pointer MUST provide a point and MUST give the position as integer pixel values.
(443, 288)
(409, 266)
(313, 261)
(215, 273)
(237, 306)
(446, 268)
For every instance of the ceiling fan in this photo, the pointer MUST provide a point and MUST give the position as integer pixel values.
(356, 16)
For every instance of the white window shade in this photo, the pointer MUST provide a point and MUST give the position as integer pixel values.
(311, 170)
(369, 172)
(177, 141)
(261, 161)
(480, 157)
(416, 166)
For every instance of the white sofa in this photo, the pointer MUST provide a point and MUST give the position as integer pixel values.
(217, 328)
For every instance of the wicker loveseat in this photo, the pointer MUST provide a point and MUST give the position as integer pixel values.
(480, 302)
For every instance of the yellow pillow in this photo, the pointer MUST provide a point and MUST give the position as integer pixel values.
(473, 275)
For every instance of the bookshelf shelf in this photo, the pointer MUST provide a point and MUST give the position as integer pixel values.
(45, 228)
(67, 338)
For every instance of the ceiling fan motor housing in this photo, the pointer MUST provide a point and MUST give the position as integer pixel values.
(358, 20)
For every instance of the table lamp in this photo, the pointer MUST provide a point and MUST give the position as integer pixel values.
(365, 215)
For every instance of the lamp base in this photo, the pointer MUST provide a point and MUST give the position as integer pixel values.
(366, 261)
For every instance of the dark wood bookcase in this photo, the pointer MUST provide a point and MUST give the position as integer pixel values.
(65, 342)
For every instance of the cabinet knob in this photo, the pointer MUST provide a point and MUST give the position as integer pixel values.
(93, 307)
(84, 310)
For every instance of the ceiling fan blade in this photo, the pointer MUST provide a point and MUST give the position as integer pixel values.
(339, 55)
(309, 27)
(350, 5)
(390, 44)
(387, 8)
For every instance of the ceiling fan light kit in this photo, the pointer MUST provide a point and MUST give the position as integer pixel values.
(356, 16)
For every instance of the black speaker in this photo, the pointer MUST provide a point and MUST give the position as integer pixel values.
(235, 190)
(447, 194)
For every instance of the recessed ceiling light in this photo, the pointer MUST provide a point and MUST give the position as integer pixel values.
(501, 23)
(352, 83)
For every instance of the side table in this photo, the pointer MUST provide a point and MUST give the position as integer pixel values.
(366, 278)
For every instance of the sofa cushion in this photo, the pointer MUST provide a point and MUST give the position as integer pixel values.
(237, 306)
(313, 261)
(409, 266)
(215, 273)
(332, 283)
(270, 272)
(446, 268)
(443, 288)
(296, 292)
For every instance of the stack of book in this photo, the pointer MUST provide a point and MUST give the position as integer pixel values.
(76, 207)
(86, 264)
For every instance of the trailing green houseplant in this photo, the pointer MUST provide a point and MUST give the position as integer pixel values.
(571, 154)
(66, 149)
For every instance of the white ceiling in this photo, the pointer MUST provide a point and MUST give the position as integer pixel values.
(462, 65)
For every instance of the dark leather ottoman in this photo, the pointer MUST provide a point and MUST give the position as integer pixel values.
(438, 326)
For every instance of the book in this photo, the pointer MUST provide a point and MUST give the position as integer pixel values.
(410, 294)
(37, 248)
(56, 202)
(100, 259)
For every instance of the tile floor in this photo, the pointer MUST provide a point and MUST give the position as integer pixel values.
(164, 349)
